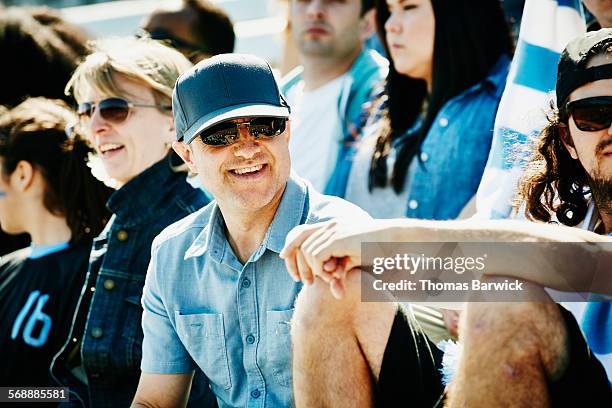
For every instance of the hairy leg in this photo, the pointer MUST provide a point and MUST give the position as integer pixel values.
(510, 351)
(338, 345)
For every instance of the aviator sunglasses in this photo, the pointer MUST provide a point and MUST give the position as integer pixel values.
(227, 133)
(591, 114)
(114, 109)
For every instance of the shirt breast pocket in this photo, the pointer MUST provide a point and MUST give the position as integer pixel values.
(203, 335)
(278, 351)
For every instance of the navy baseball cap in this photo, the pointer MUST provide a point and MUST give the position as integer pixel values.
(224, 87)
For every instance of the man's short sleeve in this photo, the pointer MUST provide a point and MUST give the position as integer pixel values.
(162, 349)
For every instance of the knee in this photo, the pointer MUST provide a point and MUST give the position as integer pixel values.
(521, 332)
(489, 320)
(316, 307)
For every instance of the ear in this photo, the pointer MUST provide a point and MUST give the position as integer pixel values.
(184, 151)
(22, 177)
(566, 138)
(367, 25)
(288, 130)
(169, 130)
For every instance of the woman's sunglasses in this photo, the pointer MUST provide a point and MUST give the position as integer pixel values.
(114, 109)
(227, 133)
(591, 114)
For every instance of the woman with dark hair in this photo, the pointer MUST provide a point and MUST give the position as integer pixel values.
(427, 143)
(48, 191)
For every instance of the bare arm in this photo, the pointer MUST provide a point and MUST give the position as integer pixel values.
(329, 249)
(162, 390)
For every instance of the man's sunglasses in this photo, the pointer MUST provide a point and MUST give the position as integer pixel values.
(591, 114)
(227, 133)
(114, 110)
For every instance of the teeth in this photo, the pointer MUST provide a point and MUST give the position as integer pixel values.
(248, 169)
(109, 146)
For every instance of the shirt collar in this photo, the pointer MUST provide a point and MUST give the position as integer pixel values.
(140, 196)
(291, 212)
(38, 251)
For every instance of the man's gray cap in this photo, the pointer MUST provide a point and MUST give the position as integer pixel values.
(224, 87)
(572, 72)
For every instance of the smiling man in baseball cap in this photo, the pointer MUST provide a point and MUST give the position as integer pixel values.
(217, 295)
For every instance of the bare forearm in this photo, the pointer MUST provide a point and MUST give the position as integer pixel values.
(162, 391)
(411, 230)
(582, 264)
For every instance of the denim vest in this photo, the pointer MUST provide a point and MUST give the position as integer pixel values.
(368, 70)
(446, 173)
(107, 323)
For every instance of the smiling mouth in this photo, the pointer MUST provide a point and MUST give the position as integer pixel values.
(109, 148)
(248, 171)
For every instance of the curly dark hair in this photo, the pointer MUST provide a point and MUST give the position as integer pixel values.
(554, 184)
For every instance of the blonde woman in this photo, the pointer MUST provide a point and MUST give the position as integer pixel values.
(123, 89)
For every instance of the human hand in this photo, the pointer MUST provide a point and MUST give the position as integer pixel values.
(328, 250)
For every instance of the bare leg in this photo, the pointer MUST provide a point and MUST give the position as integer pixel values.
(338, 346)
(510, 350)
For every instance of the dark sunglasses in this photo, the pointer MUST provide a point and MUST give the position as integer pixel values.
(112, 109)
(227, 133)
(591, 114)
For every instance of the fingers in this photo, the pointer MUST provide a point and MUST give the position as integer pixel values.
(296, 238)
(304, 271)
(297, 265)
(337, 288)
(341, 268)
(330, 265)
(310, 246)
(291, 265)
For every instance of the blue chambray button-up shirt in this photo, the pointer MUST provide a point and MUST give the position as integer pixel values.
(448, 169)
(202, 307)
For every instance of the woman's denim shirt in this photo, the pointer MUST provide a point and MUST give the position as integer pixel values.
(107, 324)
(446, 173)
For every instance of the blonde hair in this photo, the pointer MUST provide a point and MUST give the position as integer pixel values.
(142, 60)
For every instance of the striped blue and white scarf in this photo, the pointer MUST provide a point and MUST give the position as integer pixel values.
(546, 28)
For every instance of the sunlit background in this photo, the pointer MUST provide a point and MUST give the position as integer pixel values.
(259, 24)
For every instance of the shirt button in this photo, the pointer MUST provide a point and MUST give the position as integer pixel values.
(122, 235)
(246, 283)
(443, 122)
(424, 157)
(74, 339)
(255, 393)
(109, 284)
(250, 339)
(96, 332)
(92, 289)
(413, 204)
